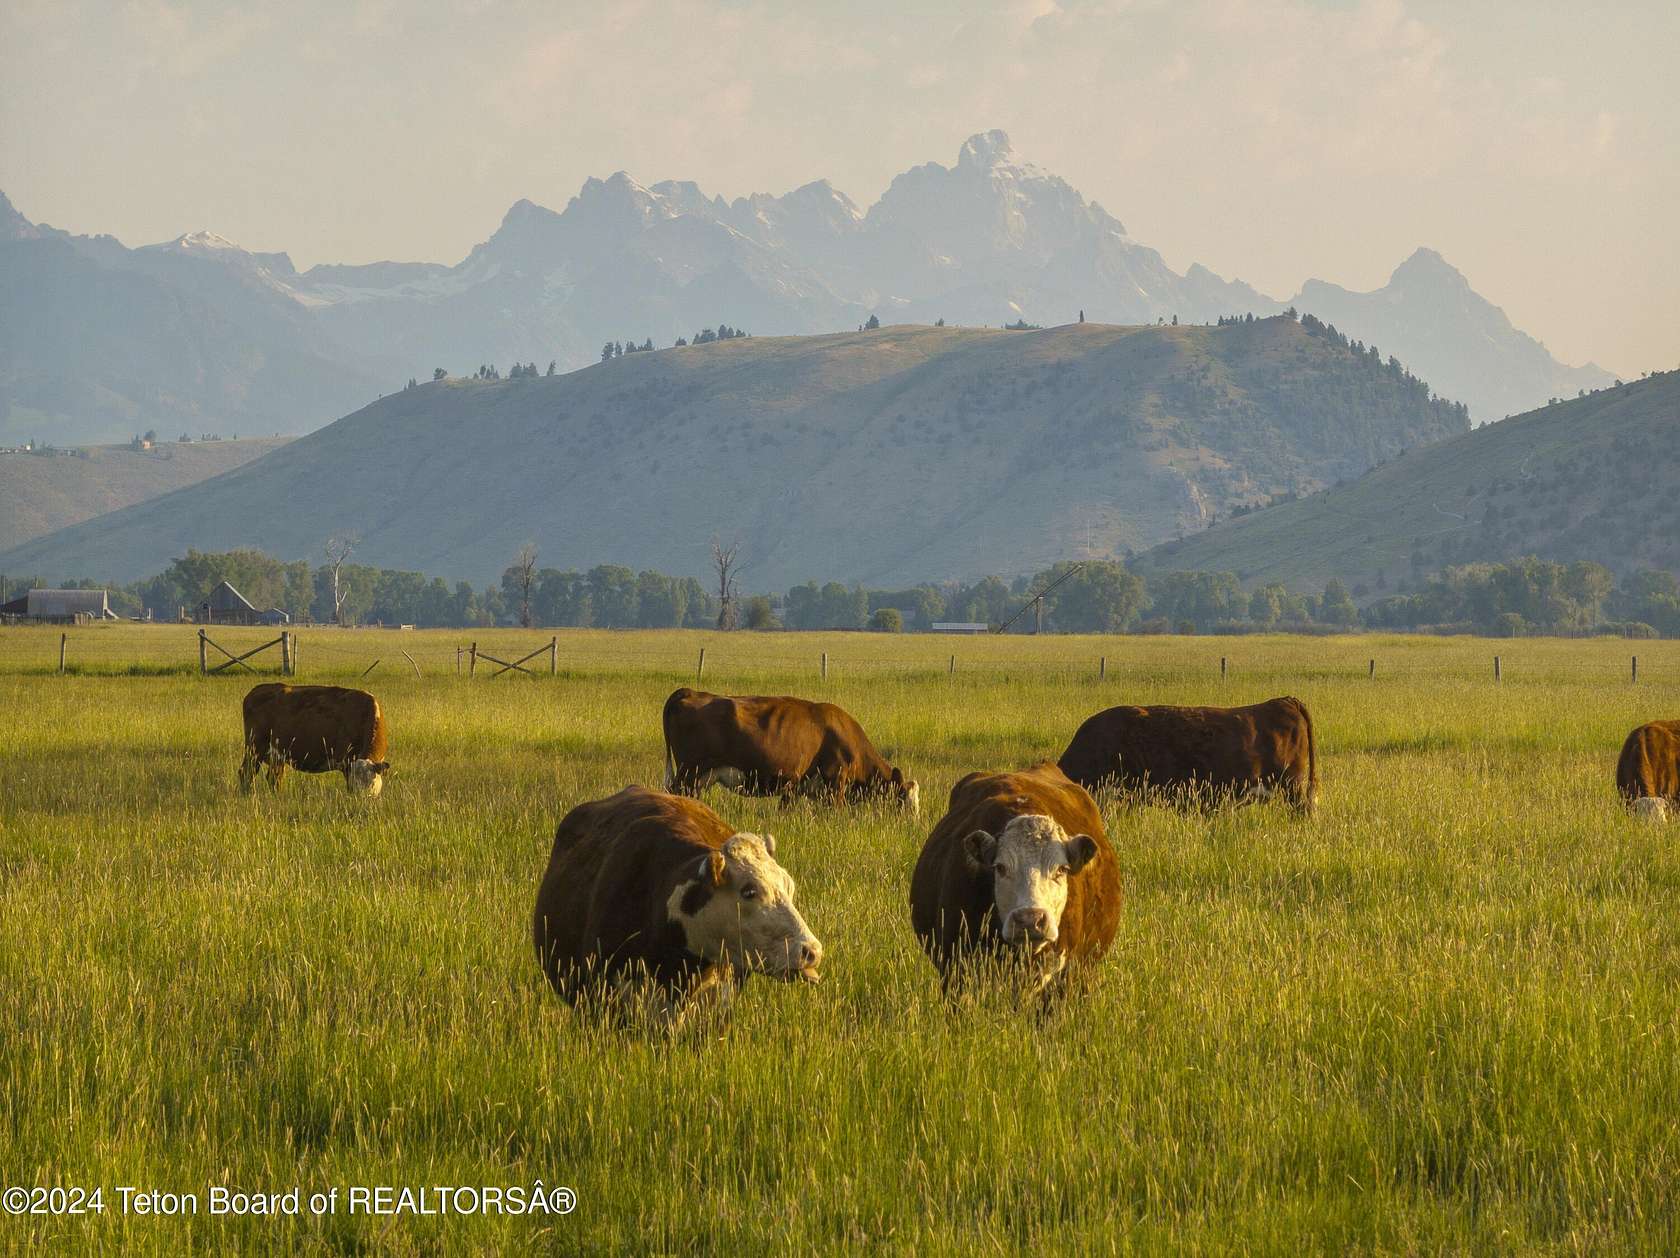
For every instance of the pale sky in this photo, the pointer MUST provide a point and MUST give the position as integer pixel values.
(1535, 143)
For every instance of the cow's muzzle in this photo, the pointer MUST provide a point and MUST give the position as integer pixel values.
(803, 964)
(1029, 928)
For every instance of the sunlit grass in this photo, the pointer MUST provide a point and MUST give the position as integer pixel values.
(1440, 1016)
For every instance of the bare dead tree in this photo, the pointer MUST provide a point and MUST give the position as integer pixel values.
(338, 550)
(726, 563)
(524, 577)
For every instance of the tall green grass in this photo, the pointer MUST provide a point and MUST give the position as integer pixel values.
(1439, 1017)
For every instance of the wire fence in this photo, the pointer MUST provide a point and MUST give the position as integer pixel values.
(714, 660)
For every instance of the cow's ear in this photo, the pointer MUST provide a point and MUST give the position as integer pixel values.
(715, 869)
(897, 776)
(1081, 849)
(384, 766)
(980, 847)
(769, 844)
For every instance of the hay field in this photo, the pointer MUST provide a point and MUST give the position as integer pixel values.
(1439, 1017)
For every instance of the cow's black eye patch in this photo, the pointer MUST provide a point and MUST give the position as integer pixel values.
(695, 898)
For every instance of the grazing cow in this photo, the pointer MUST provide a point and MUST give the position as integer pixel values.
(775, 746)
(1245, 752)
(1648, 773)
(1018, 866)
(315, 729)
(645, 889)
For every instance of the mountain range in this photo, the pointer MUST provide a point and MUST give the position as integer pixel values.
(883, 456)
(98, 340)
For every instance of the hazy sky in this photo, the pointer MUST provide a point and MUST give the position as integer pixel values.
(1535, 143)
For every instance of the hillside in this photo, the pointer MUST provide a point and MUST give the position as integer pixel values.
(41, 493)
(1594, 478)
(896, 455)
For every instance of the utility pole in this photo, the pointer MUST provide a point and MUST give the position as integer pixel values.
(1037, 601)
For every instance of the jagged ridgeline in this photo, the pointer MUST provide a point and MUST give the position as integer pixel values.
(97, 339)
(885, 456)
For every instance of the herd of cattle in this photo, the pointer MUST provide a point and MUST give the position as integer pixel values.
(652, 890)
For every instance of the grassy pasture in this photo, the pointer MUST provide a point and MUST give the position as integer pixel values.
(1440, 1017)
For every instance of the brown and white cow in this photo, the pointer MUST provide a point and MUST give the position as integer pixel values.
(764, 745)
(315, 729)
(1019, 867)
(651, 891)
(1648, 773)
(1247, 753)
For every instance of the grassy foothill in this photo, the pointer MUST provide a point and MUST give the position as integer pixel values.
(1438, 1017)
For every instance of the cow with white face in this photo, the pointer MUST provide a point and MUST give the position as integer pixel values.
(738, 909)
(654, 894)
(1020, 866)
(1031, 863)
(315, 729)
(1648, 770)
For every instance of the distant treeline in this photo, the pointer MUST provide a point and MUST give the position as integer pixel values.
(1523, 597)
(608, 595)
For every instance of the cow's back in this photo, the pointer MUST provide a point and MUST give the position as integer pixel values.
(612, 862)
(315, 728)
(949, 900)
(1649, 766)
(1169, 746)
(769, 739)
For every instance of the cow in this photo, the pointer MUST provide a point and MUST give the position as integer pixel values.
(1245, 753)
(315, 729)
(1020, 868)
(1648, 773)
(654, 894)
(764, 745)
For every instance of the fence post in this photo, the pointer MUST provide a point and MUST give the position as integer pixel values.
(62, 638)
(472, 660)
(700, 667)
(457, 661)
(952, 670)
(825, 665)
(1221, 668)
(294, 655)
(1372, 670)
(1636, 668)
(554, 655)
(1102, 667)
(1496, 668)
(201, 660)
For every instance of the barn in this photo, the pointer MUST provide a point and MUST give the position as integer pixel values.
(61, 606)
(227, 606)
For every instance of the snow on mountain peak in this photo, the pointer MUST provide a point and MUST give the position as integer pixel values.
(205, 240)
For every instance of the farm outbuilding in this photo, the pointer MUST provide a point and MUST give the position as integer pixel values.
(66, 606)
(227, 606)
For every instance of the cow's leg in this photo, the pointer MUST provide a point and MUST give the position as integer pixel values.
(1301, 792)
(276, 769)
(249, 767)
(703, 1003)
